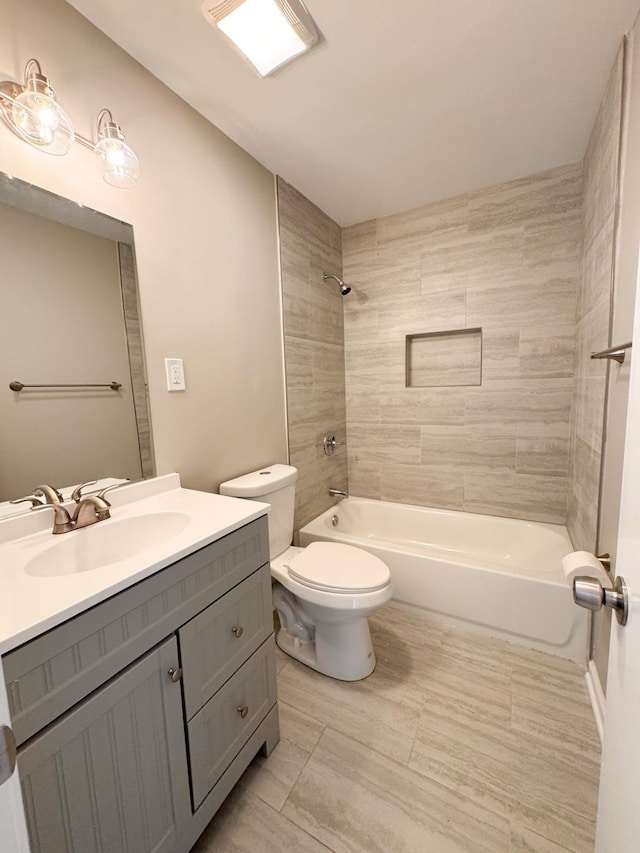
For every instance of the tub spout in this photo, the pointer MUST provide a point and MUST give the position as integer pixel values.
(338, 493)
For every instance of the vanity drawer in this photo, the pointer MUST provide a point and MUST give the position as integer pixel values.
(218, 640)
(47, 676)
(218, 731)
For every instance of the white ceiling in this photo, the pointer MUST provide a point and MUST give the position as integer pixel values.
(405, 102)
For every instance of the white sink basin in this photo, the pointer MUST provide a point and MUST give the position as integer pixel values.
(104, 543)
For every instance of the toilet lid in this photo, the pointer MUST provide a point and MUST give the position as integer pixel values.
(334, 567)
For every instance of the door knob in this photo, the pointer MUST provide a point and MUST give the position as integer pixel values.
(175, 674)
(589, 593)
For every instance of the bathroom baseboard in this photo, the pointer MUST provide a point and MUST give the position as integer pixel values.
(596, 694)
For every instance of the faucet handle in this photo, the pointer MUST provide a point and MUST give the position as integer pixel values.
(36, 500)
(103, 492)
(76, 494)
(50, 494)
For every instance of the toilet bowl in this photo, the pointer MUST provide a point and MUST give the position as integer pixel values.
(323, 593)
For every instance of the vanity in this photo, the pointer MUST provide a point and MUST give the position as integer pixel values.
(140, 688)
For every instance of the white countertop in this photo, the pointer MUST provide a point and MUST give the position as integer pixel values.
(31, 605)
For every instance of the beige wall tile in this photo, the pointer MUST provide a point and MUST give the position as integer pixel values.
(423, 485)
(360, 320)
(422, 405)
(461, 448)
(432, 312)
(553, 251)
(378, 443)
(359, 241)
(517, 496)
(375, 363)
(384, 279)
(500, 353)
(501, 405)
(521, 303)
(594, 297)
(298, 354)
(548, 352)
(310, 244)
(328, 366)
(546, 198)
(405, 231)
(364, 478)
(506, 259)
(542, 455)
(583, 494)
(363, 404)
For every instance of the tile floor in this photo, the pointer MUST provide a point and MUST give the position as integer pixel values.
(455, 743)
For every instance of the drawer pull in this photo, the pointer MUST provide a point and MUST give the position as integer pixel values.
(243, 710)
(237, 631)
(175, 674)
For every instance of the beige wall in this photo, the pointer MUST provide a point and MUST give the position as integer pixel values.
(504, 259)
(594, 307)
(62, 322)
(205, 232)
(310, 244)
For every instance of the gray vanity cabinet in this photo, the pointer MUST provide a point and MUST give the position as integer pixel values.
(112, 774)
(136, 718)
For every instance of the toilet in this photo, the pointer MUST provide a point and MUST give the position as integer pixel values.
(323, 593)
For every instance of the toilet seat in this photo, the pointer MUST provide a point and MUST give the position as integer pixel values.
(337, 568)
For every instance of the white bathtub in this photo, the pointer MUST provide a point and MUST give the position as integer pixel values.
(497, 575)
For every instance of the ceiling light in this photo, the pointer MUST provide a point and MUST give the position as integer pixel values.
(33, 112)
(269, 33)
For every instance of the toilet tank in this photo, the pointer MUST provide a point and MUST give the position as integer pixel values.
(275, 485)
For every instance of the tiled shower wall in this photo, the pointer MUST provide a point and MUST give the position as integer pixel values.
(504, 259)
(310, 244)
(601, 168)
(594, 309)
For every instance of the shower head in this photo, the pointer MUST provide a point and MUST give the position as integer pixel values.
(344, 288)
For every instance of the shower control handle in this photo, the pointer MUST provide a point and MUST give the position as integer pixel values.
(329, 443)
(589, 593)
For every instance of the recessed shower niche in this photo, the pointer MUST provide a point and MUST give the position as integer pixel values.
(435, 359)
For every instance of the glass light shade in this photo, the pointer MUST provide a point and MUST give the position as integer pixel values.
(40, 119)
(120, 166)
(263, 33)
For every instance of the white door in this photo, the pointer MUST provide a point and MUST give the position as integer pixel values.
(618, 829)
(13, 830)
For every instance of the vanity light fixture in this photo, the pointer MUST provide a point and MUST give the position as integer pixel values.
(120, 166)
(269, 33)
(33, 113)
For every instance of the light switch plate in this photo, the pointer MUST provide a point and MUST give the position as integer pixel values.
(175, 374)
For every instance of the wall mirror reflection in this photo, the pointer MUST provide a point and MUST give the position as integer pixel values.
(70, 317)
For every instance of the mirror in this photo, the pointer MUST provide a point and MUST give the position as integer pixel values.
(71, 335)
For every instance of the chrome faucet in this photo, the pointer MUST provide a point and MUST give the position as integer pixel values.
(49, 494)
(337, 493)
(88, 510)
